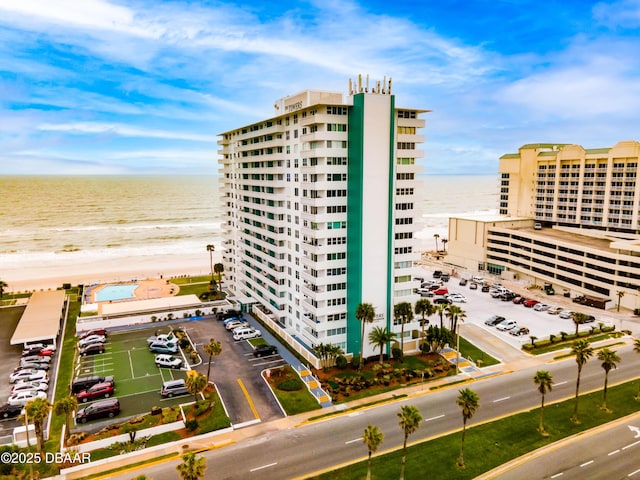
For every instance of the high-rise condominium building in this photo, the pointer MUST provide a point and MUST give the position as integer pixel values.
(320, 204)
(568, 217)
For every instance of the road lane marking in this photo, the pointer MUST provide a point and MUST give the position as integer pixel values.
(263, 466)
(631, 445)
(614, 452)
(353, 441)
(557, 475)
(586, 463)
(501, 399)
(559, 383)
(633, 473)
(246, 394)
(433, 418)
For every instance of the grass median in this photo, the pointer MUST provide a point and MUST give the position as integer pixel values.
(491, 444)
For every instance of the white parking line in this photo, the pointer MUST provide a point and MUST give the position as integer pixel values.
(631, 445)
(557, 475)
(633, 473)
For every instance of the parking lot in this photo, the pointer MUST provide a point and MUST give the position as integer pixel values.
(479, 306)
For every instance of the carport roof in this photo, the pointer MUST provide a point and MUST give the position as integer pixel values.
(151, 304)
(41, 318)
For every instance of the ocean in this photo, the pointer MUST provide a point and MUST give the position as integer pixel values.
(91, 229)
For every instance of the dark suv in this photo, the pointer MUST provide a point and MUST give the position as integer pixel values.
(102, 409)
(84, 383)
(261, 350)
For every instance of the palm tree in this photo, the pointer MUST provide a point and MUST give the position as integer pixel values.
(424, 308)
(213, 348)
(211, 248)
(372, 437)
(3, 285)
(579, 318)
(192, 468)
(620, 294)
(444, 244)
(469, 402)
(37, 410)
(609, 359)
(195, 383)
(436, 236)
(454, 313)
(66, 406)
(219, 268)
(583, 351)
(365, 313)
(441, 308)
(409, 422)
(636, 348)
(402, 312)
(544, 380)
(379, 337)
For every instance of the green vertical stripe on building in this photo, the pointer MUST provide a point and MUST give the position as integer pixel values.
(354, 221)
(391, 211)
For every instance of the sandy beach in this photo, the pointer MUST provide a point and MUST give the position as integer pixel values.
(53, 276)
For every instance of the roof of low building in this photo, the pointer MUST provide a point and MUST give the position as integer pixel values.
(41, 318)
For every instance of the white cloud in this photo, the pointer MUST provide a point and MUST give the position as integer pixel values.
(122, 130)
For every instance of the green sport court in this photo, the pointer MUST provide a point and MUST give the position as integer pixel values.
(138, 380)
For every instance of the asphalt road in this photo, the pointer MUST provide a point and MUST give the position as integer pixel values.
(287, 453)
(586, 456)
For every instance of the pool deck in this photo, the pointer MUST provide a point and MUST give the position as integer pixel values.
(148, 288)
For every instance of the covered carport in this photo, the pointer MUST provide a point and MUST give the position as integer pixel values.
(42, 319)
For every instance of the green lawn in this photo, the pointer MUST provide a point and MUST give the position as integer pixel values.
(471, 352)
(490, 445)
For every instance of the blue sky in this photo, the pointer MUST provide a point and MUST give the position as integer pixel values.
(144, 87)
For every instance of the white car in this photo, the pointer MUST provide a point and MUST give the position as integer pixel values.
(92, 339)
(565, 314)
(28, 375)
(22, 398)
(41, 386)
(245, 333)
(540, 307)
(506, 325)
(457, 297)
(168, 361)
(236, 324)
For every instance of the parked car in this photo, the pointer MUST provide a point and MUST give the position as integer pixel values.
(91, 339)
(554, 310)
(235, 324)
(38, 350)
(21, 386)
(437, 273)
(485, 288)
(473, 286)
(518, 331)
(442, 301)
(530, 303)
(441, 291)
(506, 325)
(165, 338)
(261, 350)
(565, 314)
(36, 358)
(24, 397)
(173, 388)
(99, 390)
(496, 319)
(477, 279)
(32, 365)
(458, 298)
(507, 296)
(28, 375)
(589, 319)
(541, 307)
(168, 361)
(463, 282)
(229, 314)
(246, 333)
(518, 299)
(445, 277)
(83, 383)
(95, 331)
(9, 411)
(232, 319)
(91, 349)
(161, 347)
(102, 409)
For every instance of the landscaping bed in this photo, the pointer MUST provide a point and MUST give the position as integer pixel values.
(290, 390)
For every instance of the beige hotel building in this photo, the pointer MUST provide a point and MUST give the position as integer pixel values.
(568, 216)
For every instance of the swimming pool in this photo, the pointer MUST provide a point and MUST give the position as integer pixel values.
(116, 292)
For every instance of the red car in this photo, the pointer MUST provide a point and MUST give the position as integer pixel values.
(99, 390)
(441, 291)
(96, 331)
(518, 299)
(530, 302)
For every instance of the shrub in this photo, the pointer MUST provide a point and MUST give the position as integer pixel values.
(290, 385)
(201, 407)
(355, 361)
(191, 425)
(341, 361)
(396, 353)
(169, 414)
(76, 438)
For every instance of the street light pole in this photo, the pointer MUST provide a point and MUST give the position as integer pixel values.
(457, 349)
